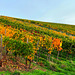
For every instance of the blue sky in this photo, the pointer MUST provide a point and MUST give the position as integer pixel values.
(58, 11)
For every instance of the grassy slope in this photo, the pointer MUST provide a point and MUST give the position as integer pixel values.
(62, 66)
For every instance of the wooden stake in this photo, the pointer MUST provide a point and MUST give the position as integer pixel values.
(1, 53)
(27, 40)
(26, 58)
(58, 55)
(5, 46)
(37, 53)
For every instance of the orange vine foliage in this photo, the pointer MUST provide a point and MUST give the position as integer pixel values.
(57, 43)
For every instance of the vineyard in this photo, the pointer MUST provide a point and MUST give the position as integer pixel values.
(27, 45)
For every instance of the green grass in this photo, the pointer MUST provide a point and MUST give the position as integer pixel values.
(5, 73)
(64, 66)
(38, 72)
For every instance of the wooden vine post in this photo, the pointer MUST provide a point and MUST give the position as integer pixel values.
(1, 52)
(57, 55)
(47, 54)
(29, 63)
(26, 57)
(71, 45)
(5, 46)
(37, 53)
(50, 53)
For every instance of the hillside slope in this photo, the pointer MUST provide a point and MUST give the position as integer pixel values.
(40, 48)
